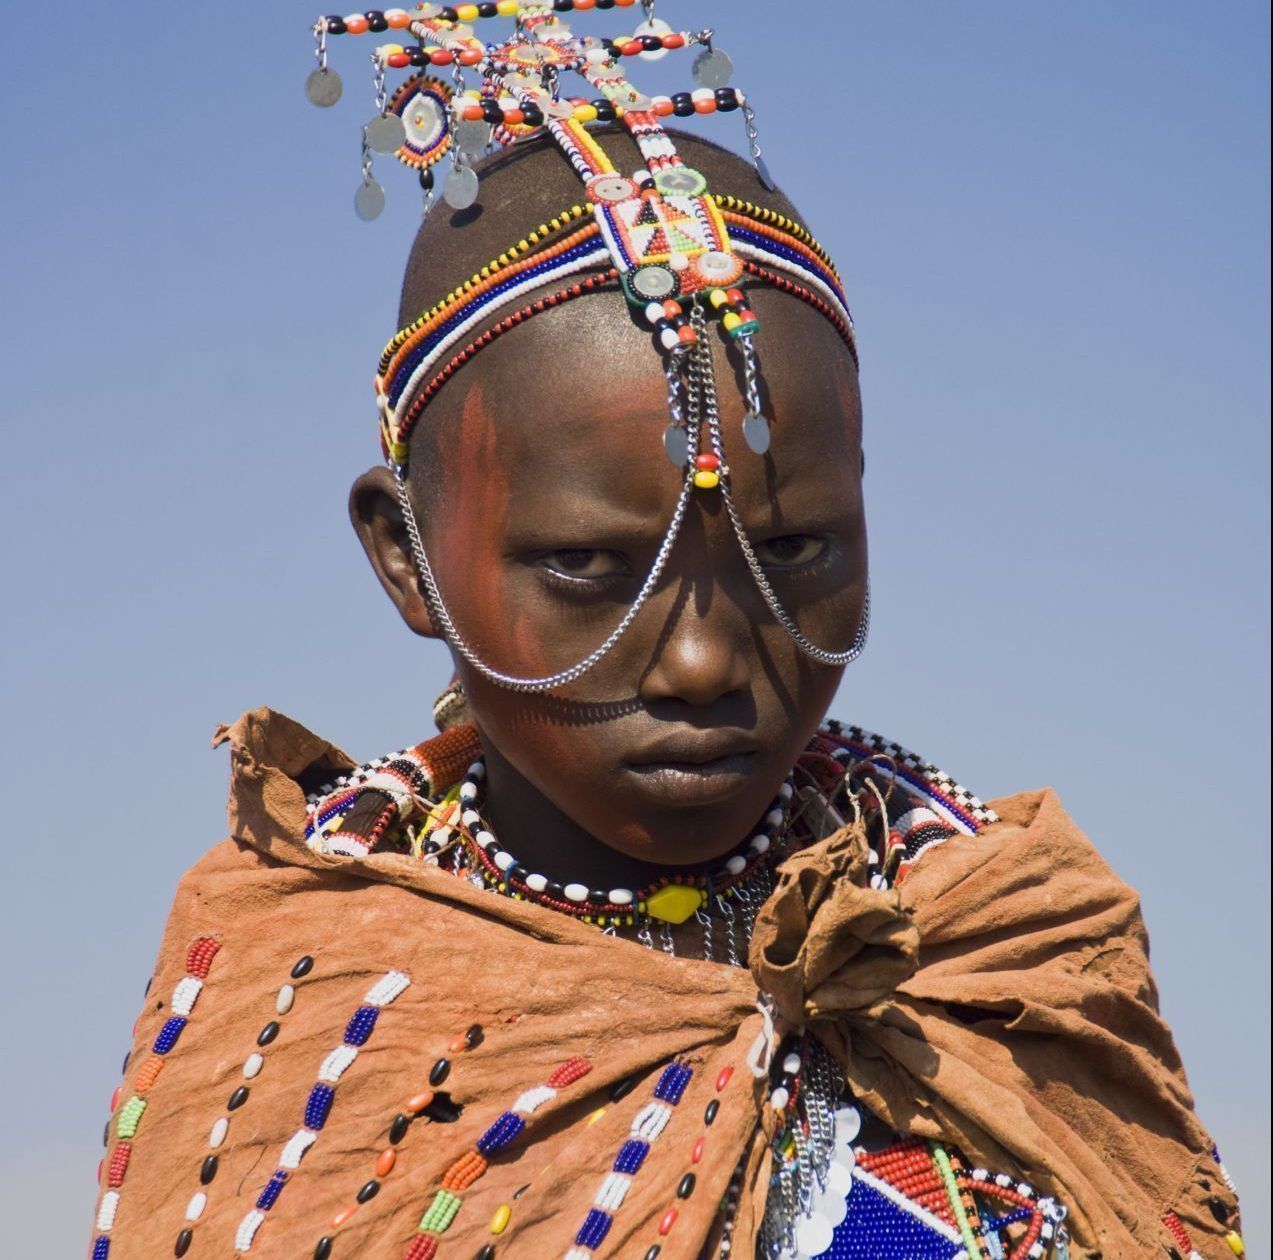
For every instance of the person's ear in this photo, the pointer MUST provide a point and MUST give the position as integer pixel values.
(376, 515)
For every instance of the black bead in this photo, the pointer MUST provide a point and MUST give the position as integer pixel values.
(369, 1191)
(486, 1253)
(521, 1190)
(651, 43)
(623, 1088)
(517, 872)
(491, 111)
(398, 1129)
(598, 896)
(474, 1036)
(686, 1188)
(268, 1033)
(487, 10)
(417, 56)
(605, 4)
(682, 105)
(182, 1245)
(377, 23)
(303, 967)
(448, 15)
(439, 1072)
(106, 1134)
(534, 115)
(335, 25)
(605, 111)
(555, 890)
(209, 1169)
(323, 1250)
(148, 984)
(426, 179)
(726, 99)
(654, 1252)
(237, 1099)
(563, 6)
(125, 1067)
(709, 1114)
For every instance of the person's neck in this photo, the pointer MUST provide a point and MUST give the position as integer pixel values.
(544, 839)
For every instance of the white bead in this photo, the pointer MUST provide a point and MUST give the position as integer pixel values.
(185, 994)
(247, 1229)
(779, 1098)
(106, 1212)
(286, 996)
(736, 865)
(576, 892)
(668, 339)
(388, 987)
(194, 1209)
(530, 1101)
(614, 1189)
(440, 836)
(297, 1145)
(786, 792)
(759, 844)
(536, 883)
(621, 896)
(336, 1064)
(678, 261)
(702, 94)
(661, 100)
(596, 56)
(219, 1130)
(651, 1120)
(848, 1124)
(503, 860)
(839, 1180)
(654, 312)
(471, 819)
(252, 1065)
(468, 793)
(774, 818)
(477, 771)
(484, 838)
(791, 1064)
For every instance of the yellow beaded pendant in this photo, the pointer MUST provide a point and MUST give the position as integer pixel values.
(674, 903)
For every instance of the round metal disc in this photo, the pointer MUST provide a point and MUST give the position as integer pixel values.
(713, 68)
(839, 1180)
(676, 443)
(813, 1234)
(369, 201)
(653, 283)
(460, 190)
(472, 138)
(323, 87)
(756, 435)
(655, 26)
(834, 1207)
(386, 134)
(762, 169)
(848, 1124)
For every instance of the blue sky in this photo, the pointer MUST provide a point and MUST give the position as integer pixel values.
(1053, 226)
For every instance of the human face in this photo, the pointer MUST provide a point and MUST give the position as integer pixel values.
(543, 504)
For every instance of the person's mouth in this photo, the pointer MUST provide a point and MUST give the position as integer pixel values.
(694, 769)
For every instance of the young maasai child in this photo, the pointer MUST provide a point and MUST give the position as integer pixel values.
(640, 956)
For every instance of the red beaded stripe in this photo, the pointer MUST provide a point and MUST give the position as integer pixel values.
(423, 1247)
(568, 1073)
(118, 1165)
(200, 955)
(810, 298)
(1176, 1228)
(507, 324)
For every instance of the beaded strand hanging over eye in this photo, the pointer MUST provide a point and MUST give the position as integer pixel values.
(678, 253)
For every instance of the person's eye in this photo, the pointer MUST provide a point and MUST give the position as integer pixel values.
(585, 564)
(791, 551)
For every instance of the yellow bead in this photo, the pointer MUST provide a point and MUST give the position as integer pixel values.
(731, 320)
(499, 1222)
(585, 113)
(1236, 1245)
(717, 297)
(676, 902)
(704, 479)
(388, 49)
(506, 8)
(595, 1116)
(466, 12)
(398, 452)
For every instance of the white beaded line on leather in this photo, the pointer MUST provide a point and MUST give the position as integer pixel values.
(483, 311)
(758, 253)
(514, 682)
(385, 990)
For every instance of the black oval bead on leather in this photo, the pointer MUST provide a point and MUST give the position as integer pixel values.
(441, 1070)
(521, 1190)
(182, 1245)
(487, 1253)
(303, 967)
(237, 1099)
(209, 1169)
(125, 1067)
(709, 1114)
(474, 1036)
(686, 1188)
(398, 1129)
(106, 1134)
(323, 1249)
(268, 1033)
(623, 1089)
(654, 1252)
(369, 1192)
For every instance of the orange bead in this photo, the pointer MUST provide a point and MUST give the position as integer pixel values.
(674, 40)
(630, 47)
(441, 57)
(746, 315)
(585, 4)
(418, 1102)
(386, 1161)
(356, 25)
(705, 105)
(672, 308)
(398, 20)
(514, 117)
(398, 60)
(663, 108)
(343, 1215)
(687, 336)
(469, 57)
(472, 113)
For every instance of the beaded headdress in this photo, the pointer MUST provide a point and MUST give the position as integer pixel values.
(679, 253)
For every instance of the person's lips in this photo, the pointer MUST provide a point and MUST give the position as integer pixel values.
(693, 769)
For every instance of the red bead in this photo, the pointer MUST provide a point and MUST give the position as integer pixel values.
(118, 1165)
(630, 47)
(734, 297)
(114, 1102)
(200, 955)
(746, 315)
(440, 57)
(423, 1247)
(398, 60)
(672, 308)
(707, 462)
(581, 5)
(514, 117)
(568, 1073)
(722, 1078)
(674, 40)
(696, 1155)
(470, 57)
(669, 1219)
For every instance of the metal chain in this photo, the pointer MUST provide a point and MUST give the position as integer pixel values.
(378, 83)
(320, 43)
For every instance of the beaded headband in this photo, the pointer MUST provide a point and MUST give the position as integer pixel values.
(679, 253)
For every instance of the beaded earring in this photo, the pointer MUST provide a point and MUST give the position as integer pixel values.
(679, 254)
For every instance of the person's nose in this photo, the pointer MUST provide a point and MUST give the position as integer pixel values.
(701, 654)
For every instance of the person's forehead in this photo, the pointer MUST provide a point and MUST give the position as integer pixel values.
(572, 409)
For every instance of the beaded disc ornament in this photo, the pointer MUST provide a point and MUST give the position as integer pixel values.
(679, 254)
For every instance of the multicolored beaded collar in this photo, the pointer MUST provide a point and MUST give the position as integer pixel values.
(678, 253)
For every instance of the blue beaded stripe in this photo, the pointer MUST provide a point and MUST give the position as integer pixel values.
(595, 1227)
(508, 1128)
(770, 246)
(631, 1156)
(318, 1106)
(676, 1076)
(169, 1033)
(361, 1024)
(273, 1188)
(101, 1248)
(420, 352)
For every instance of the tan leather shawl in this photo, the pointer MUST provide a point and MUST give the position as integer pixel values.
(1002, 1001)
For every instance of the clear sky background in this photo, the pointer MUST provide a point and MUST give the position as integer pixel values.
(1053, 225)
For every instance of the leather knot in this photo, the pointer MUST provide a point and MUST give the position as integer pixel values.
(825, 944)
